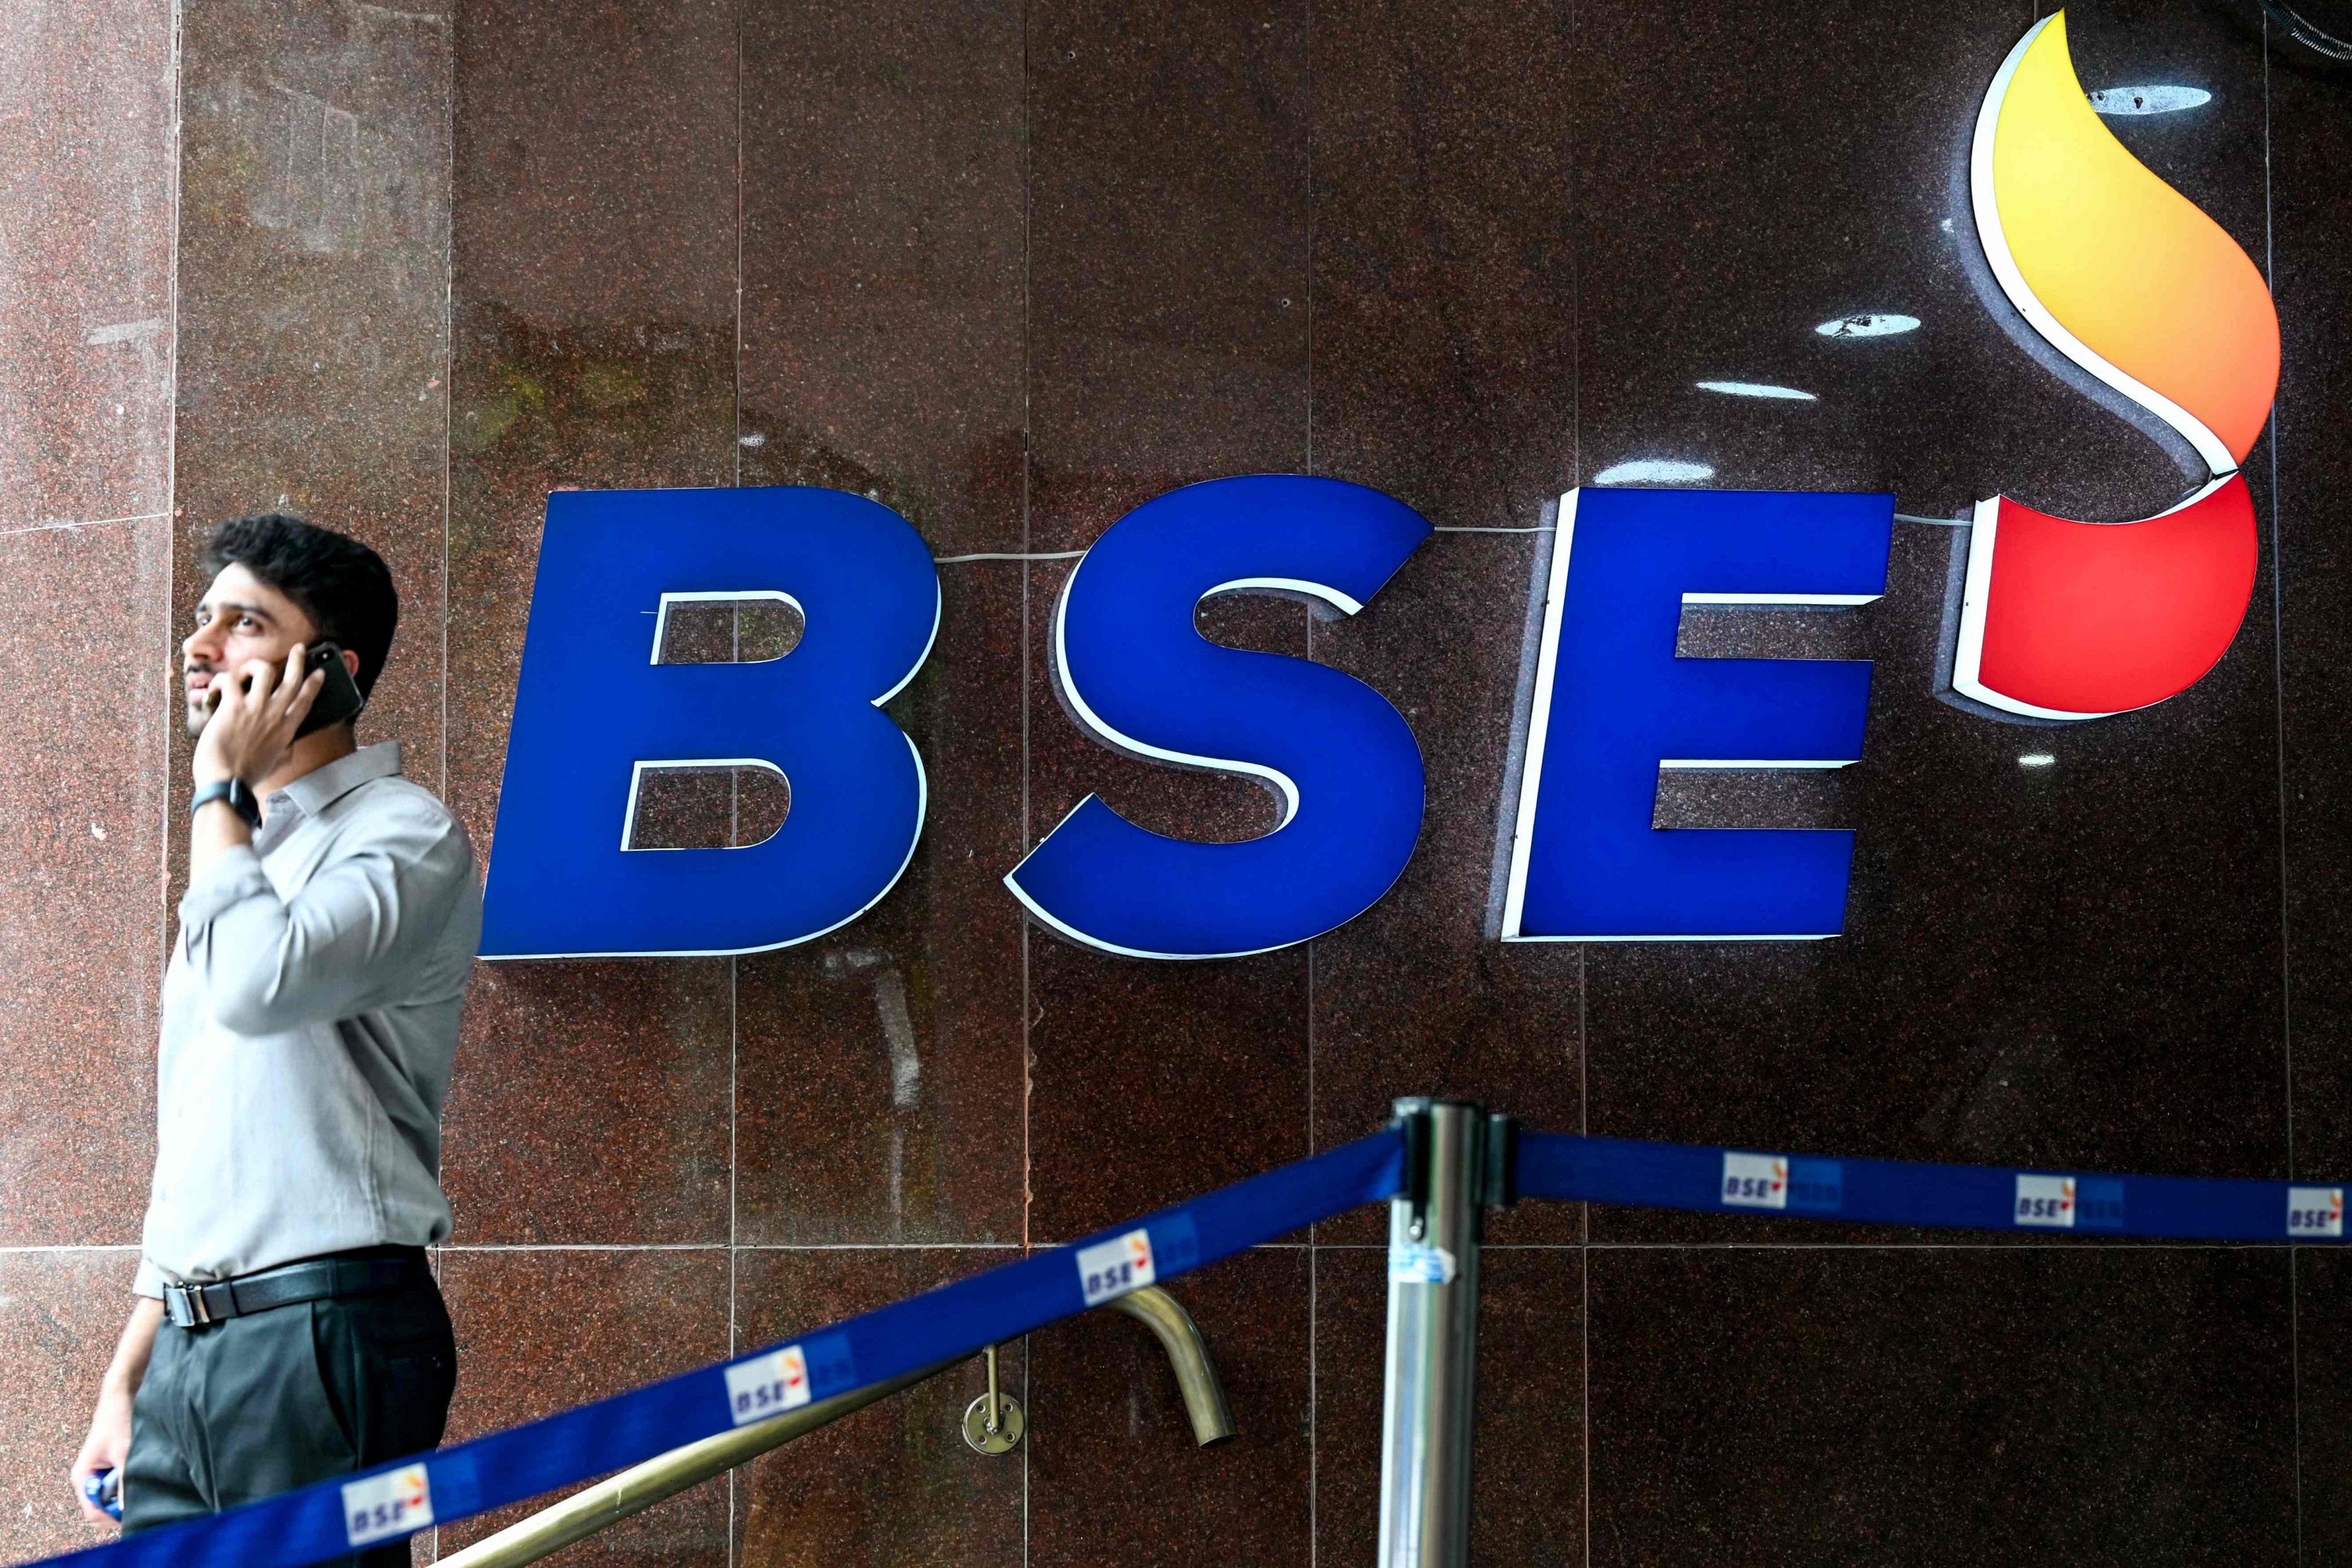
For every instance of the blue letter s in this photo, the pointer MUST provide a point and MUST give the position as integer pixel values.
(595, 706)
(1130, 665)
(1614, 705)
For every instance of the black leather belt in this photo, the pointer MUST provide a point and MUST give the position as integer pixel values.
(375, 1273)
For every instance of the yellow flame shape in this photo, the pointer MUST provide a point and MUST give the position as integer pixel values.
(2122, 273)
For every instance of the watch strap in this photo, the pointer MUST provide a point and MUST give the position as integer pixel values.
(237, 792)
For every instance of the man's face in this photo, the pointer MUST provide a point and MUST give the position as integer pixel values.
(240, 618)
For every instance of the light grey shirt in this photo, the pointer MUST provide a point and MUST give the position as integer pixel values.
(310, 1018)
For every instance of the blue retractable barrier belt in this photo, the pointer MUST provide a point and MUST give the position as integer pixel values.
(333, 1517)
(1897, 1191)
(330, 1519)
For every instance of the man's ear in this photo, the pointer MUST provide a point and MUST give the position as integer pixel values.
(351, 663)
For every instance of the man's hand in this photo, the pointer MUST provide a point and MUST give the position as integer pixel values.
(109, 1443)
(249, 731)
(106, 1447)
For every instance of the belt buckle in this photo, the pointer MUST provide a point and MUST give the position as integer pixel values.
(185, 1304)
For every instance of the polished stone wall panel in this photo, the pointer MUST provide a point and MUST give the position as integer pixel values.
(64, 1311)
(883, 230)
(596, 168)
(542, 1330)
(2324, 1404)
(590, 1104)
(1150, 1084)
(87, 150)
(82, 768)
(893, 1484)
(1168, 252)
(879, 1080)
(1945, 1405)
(2313, 283)
(1114, 1473)
(1445, 317)
(707, 808)
(2312, 280)
(314, 285)
(592, 283)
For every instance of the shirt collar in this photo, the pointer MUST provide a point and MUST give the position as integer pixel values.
(322, 787)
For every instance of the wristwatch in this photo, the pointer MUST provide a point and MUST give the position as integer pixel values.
(237, 792)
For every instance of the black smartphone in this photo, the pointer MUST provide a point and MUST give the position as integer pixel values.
(339, 697)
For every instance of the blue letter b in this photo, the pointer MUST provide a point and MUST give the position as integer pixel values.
(593, 705)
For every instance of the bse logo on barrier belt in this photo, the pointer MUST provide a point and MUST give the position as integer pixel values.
(1116, 1267)
(2315, 1212)
(395, 1503)
(2058, 621)
(2070, 1203)
(1780, 1181)
(785, 1378)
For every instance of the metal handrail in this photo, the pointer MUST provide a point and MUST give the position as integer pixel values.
(634, 1489)
(1187, 1354)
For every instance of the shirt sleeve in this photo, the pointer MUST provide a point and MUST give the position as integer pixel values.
(344, 946)
(148, 1281)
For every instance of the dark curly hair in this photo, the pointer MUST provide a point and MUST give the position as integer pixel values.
(342, 585)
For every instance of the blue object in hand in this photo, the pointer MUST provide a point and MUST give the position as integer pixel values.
(104, 1490)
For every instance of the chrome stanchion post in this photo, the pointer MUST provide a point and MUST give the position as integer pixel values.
(1458, 1162)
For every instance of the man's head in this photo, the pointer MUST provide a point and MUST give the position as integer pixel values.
(278, 580)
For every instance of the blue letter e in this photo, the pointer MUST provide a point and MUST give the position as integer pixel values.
(595, 707)
(1130, 666)
(1614, 705)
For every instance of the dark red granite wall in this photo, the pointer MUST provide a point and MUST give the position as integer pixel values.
(1012, 268)
(88, 177)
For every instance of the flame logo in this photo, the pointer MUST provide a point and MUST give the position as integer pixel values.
(410, 1487)
(2129, 279)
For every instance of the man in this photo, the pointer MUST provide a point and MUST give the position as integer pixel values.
(286, 1328)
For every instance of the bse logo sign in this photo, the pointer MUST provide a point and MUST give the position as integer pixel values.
(2315, 1213)
(2059, 621)
(2130, 281)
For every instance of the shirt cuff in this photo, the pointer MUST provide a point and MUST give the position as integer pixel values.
(148, 1281)
(233, 877)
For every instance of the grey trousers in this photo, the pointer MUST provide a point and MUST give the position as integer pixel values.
(234, 1411)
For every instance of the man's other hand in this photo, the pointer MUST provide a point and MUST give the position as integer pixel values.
(108, 1444)
(250, 729)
